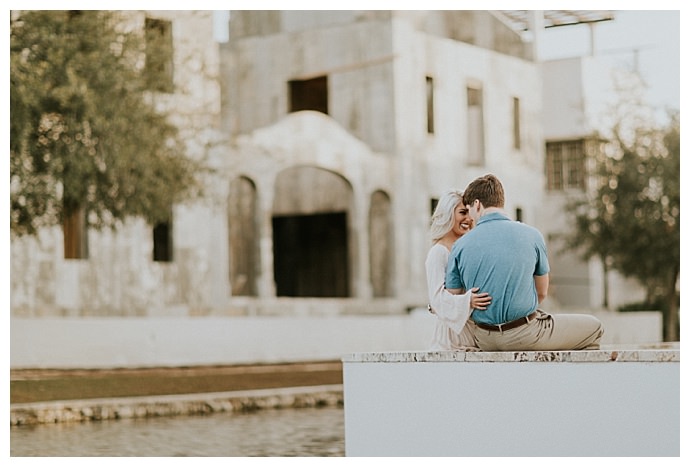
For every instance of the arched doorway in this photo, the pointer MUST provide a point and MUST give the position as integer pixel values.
(381, 244)
(311, 216)
(243, 233)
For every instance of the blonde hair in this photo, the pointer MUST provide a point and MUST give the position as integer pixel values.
(444, 215)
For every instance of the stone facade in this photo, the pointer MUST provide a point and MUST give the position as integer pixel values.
(313, 207)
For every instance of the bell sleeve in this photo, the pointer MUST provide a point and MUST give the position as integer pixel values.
(452, 310)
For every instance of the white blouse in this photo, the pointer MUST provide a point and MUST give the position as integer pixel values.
(453, 330)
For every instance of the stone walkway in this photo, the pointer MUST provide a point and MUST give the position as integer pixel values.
(239, 388)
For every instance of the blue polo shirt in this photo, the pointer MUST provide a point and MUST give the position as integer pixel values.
(500, 256)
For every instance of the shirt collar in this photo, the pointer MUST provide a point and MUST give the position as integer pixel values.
(493, 216)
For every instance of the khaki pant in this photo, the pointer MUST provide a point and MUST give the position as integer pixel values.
(545, 332)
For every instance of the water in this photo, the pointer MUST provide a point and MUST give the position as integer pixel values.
(306, 432)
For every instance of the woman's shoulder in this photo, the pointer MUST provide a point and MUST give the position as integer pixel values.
(438, 251)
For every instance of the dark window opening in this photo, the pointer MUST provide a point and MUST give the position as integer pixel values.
(310, 255)
(75, 234)
(429, 105)
(163, 242)
(518, 214)
(434, 203)
(309, 94)
(516, 123)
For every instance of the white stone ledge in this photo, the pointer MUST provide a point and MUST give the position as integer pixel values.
(610, 402)
(573, 356)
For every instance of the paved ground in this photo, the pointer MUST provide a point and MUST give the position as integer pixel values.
(27, 386)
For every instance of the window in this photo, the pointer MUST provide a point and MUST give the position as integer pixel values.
(429, 105)
(381, 245)
(516, 123)
(310, 94)
(565, 164)
(475, 126)
(432, 205)
(518, 214)
(159, 55)
(243, 237)
(75, 234)
(163, 241)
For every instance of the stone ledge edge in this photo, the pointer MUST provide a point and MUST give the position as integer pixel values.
(571, 356)
(171, 405)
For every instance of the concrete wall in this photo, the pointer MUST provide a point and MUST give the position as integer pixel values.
(579, 96)
(215, 340)
(618, 402)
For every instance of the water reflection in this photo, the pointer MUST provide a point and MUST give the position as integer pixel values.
(285, 432)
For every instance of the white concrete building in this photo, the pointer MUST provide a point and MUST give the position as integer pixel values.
(429, 111)
(332, 134)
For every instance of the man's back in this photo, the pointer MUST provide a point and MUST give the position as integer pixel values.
(501, 257)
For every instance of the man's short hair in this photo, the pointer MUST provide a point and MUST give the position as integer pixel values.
(487, 189)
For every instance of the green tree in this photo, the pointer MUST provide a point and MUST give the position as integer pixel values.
(84, 132)
(593, 231)
(631, 217)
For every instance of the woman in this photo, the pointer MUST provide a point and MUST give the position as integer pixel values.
(454, 330)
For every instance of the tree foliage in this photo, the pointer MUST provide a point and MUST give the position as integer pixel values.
(630, 219)
(84, 132)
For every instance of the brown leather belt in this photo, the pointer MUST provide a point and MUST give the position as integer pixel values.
(509, 325)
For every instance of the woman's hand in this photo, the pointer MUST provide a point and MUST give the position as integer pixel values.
(479, 301)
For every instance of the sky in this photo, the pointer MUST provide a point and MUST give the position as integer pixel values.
(655, 35)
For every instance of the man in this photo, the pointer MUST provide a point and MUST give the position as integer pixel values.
(508, 260)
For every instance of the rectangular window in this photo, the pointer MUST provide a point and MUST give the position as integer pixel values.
(565, 164)
(475, 126)
(75, 234)
(429, 105)
(163, 241)
(159, 55)
(309, 94)
(433, 204)
(516, 123)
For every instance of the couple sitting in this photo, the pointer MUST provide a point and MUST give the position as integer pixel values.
(485, 283)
